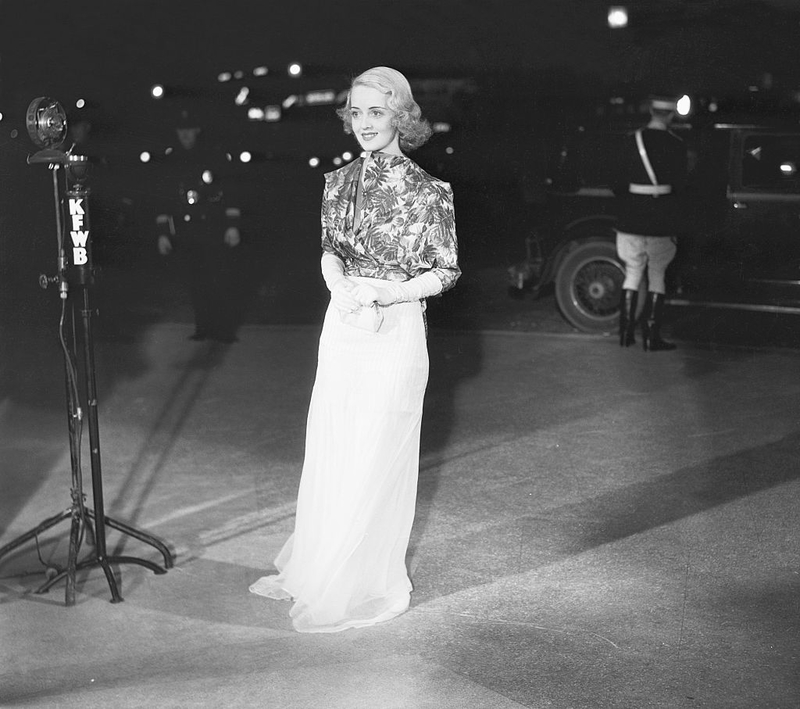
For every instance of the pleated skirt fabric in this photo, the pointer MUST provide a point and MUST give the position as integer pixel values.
(344, 565)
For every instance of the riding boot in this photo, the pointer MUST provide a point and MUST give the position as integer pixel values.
(652, 318)
(627, 317)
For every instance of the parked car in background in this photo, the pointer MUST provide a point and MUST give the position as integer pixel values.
(741, 248)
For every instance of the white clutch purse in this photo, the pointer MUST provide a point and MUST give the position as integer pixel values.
(368, 318)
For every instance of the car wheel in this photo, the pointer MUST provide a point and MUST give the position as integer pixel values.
(588, 284)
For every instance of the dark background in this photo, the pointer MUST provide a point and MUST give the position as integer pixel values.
(520, 73)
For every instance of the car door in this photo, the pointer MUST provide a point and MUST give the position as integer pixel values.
(763, 219)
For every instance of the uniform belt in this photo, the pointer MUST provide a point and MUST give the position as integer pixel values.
(652, 190)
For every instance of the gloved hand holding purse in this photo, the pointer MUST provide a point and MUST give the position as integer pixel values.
(392, 292)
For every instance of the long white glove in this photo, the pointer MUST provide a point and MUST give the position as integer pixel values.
(340, 286)
(332, 268)
(422, 286)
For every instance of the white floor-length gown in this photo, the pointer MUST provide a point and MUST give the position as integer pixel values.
(344, 565)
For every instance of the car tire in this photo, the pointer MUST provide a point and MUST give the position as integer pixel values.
(588, 285)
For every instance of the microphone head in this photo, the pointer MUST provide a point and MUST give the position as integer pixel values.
(46, 122)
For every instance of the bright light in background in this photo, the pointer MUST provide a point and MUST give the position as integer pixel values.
(144, 156)
(157, 91)
(295, 70)
(242, 97)
(269, 114)
(684, 105)
(224, 76)
(80, 103)
(313, 162)
(788, 169)
(617, 17)
(260, 71)
(1, 115)
(245, 156)
(347, 155)
(325, 97)
(239, 74)
(337, 161)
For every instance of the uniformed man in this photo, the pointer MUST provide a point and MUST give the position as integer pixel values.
(652, 177)
(201, 229)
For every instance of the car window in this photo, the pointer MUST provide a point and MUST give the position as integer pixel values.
(771, 163)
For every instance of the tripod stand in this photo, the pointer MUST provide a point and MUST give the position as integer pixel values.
(75, 276)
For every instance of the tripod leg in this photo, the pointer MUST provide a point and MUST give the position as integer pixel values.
(72, 558)
(85, 564)
(36, 531)
(143, 537)
(112, 582)
(155, 568)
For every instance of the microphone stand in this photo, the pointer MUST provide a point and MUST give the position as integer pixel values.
(77, 273)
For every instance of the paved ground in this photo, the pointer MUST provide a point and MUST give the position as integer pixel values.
(596, 527)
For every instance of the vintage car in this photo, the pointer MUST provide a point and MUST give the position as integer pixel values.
(741, 245)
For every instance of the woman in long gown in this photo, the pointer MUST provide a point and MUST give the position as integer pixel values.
(388, 242)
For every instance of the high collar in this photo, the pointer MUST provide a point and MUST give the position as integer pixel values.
(387, 158)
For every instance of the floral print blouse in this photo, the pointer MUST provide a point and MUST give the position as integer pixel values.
(407, 222)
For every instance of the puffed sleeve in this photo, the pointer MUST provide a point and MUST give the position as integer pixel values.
(441, 245)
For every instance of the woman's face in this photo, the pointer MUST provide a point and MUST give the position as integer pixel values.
(372, 121)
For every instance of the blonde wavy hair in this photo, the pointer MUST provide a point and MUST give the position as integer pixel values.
(412, 128)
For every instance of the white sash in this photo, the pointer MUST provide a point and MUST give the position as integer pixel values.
(645, 159)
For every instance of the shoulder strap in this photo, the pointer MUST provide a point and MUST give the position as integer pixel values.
(645, 159)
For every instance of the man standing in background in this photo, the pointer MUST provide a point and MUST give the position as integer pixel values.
(198, 227)
(652, 177)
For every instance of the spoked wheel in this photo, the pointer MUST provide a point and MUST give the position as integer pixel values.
(588, 285)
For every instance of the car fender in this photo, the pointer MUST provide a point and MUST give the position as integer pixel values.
(598, 227)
